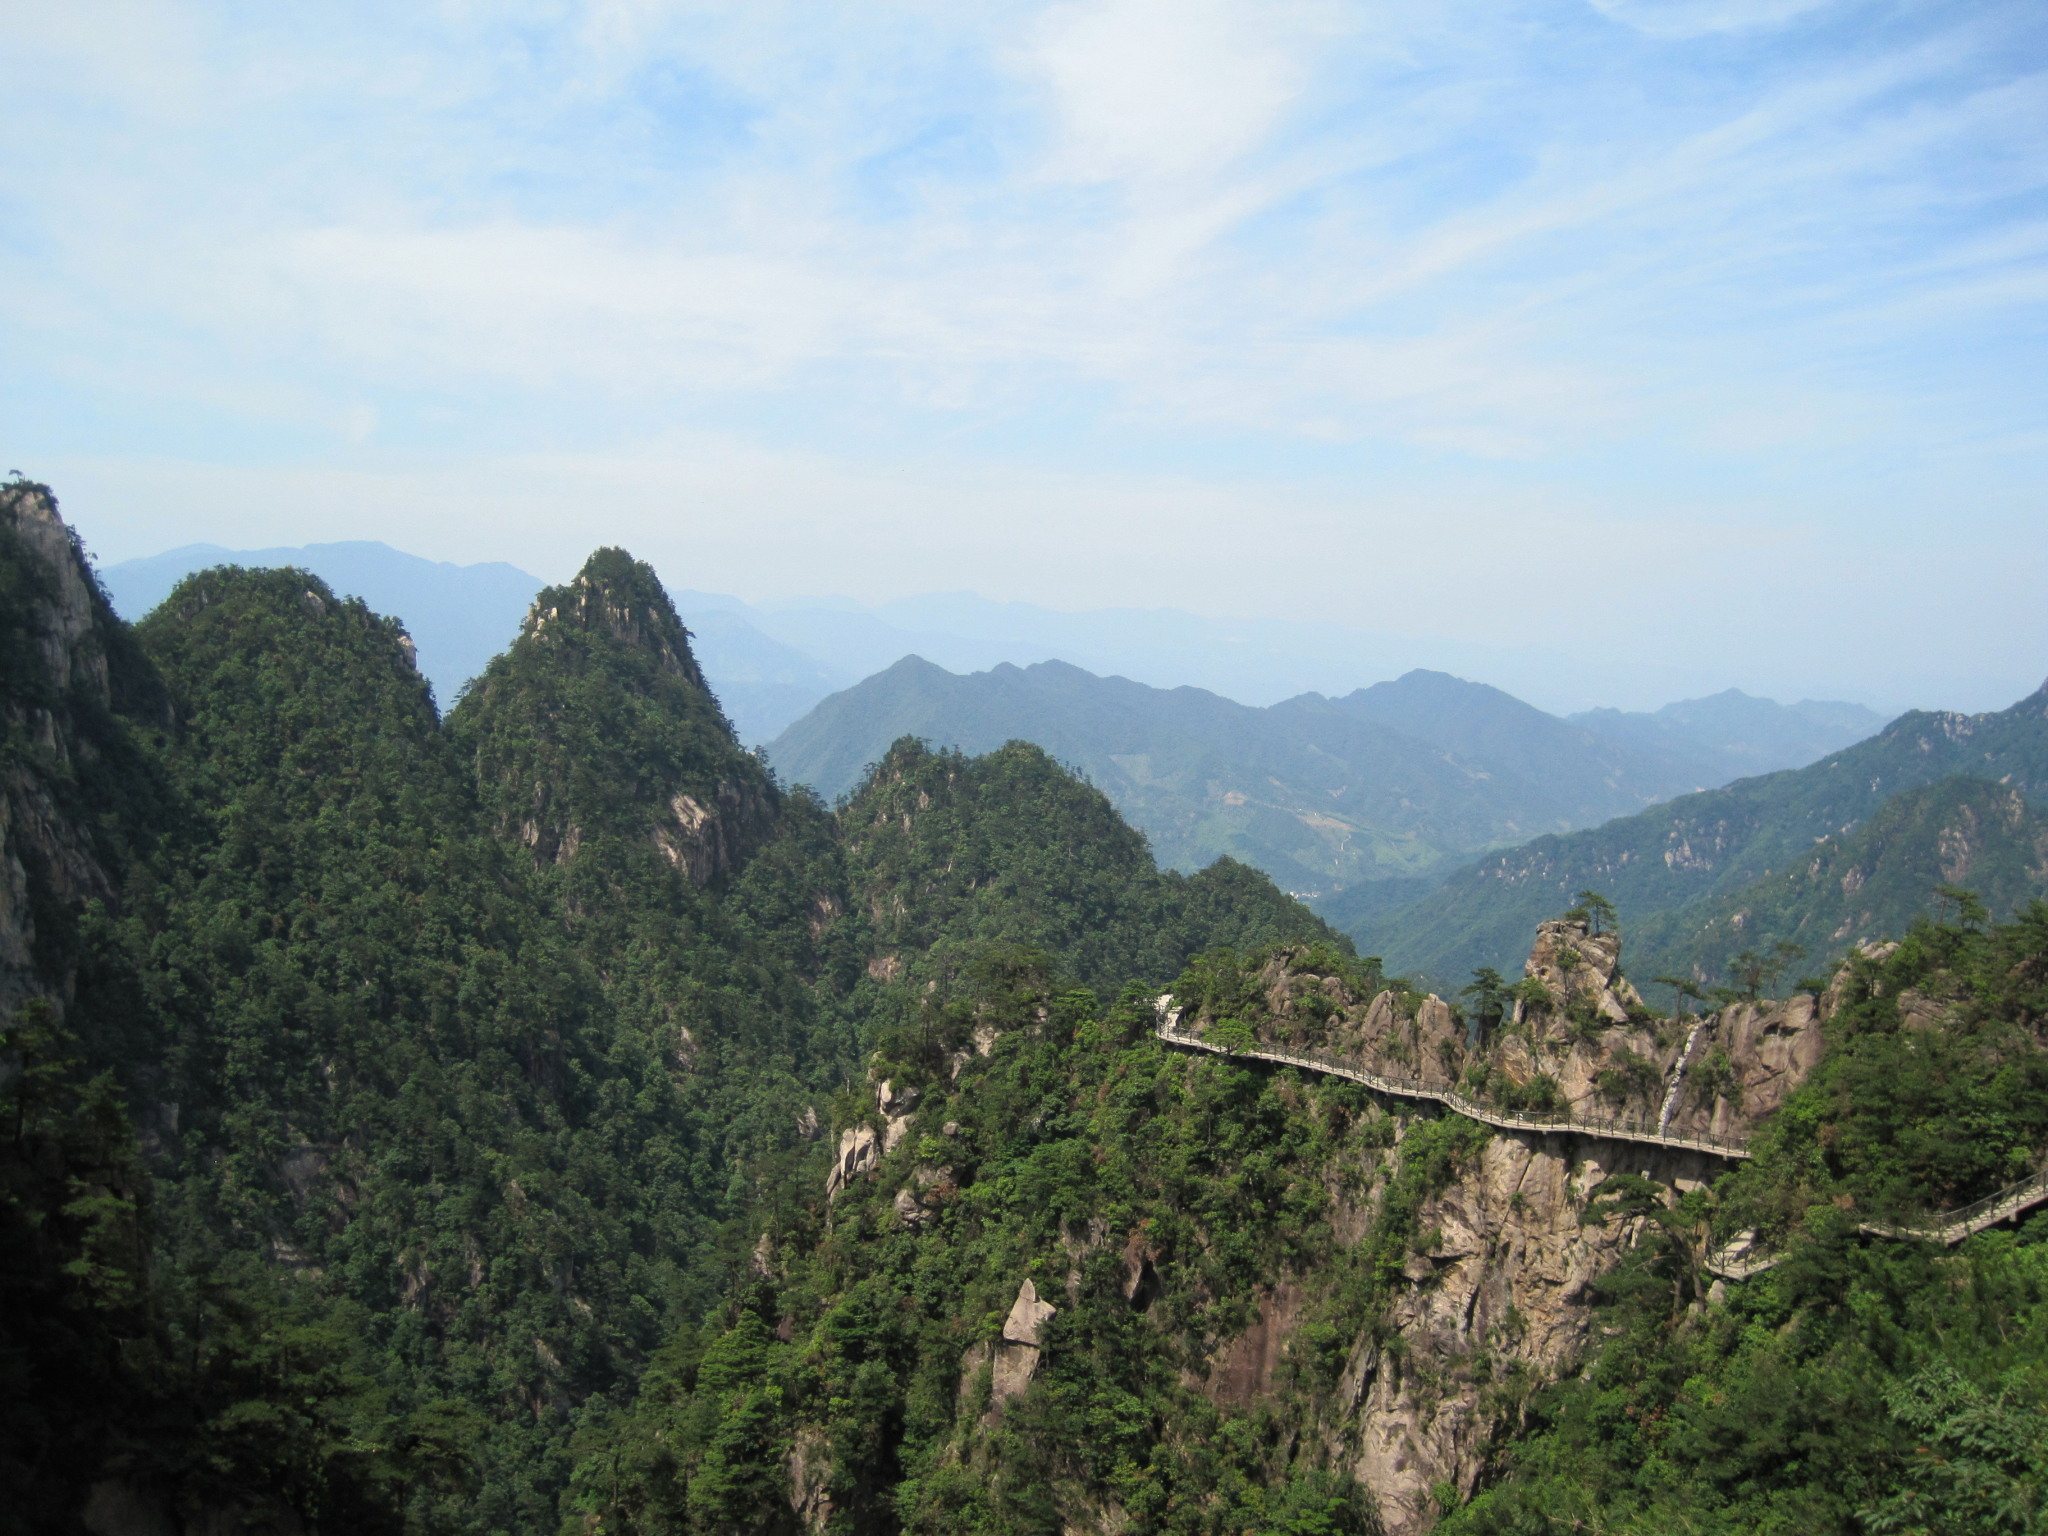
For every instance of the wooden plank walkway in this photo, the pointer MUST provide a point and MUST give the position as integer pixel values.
(1735, 1260)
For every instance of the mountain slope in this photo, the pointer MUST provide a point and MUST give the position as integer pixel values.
(1062, 1278)
(454, 1050)
(954, 853)
(1959, 832)
(597, 725)
(371, 1165)
(1707, 846)
(1319, 793)
(1586, 772)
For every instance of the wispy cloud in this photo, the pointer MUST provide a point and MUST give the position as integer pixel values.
(1313, 253)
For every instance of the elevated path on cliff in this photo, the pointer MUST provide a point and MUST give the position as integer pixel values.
(1738, 1259)
(1560, 1122)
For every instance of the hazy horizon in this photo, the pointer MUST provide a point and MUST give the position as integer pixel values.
(1678, 339)
(1267, 662)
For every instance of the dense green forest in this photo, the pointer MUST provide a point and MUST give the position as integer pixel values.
(541, 1119)
(1158, 1203)
(453, 1051)
(1863, 1384)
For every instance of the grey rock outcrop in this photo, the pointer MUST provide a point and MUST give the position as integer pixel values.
(61, 628)
(1011, 1359)
(1027, 1315)
(1017, 1353)
(859, 1152)
(810, 1478)
(708, 838)
(1503, 1283)
(897, 1106)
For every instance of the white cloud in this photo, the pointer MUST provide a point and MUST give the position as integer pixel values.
(1699, 18)
(1170, 88)
(1288, 247)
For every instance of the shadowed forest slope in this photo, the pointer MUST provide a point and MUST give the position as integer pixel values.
(441, 1057)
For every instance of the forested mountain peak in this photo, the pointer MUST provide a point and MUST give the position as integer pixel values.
(288, 692)
(623, 597)
(948, 853)
(595, 729)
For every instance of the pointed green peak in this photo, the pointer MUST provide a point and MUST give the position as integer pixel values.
(597, 742)
(620, 596)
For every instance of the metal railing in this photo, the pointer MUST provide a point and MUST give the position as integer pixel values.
(1559, 1122)
(1734, 1261)
(1951, 1227)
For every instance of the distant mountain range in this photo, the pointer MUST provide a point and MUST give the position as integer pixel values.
(1745, 735)
(1848, 847)
(1387, 783)
(770, 662)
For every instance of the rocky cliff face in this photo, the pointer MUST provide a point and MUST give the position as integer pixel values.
(1498, 1299)
(1497, 1294)
(66, 658)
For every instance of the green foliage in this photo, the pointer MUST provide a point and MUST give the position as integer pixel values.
(1683, 989)
(596, 725)
(202, 1391)
(1899, 1119)
(475, 1061)
(1979, 1464)
(1629, 1076)
(1815, 1401)
(1863, 1384)
(950, 851)
(1168, 1190)
(1231, 1035)
(1597, 910)
(1490, 996)
(464, 1049)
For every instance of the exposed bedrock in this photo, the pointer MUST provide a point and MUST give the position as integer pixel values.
(1498, 1290)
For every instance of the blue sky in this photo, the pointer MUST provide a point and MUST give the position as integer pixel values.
(1679, 335)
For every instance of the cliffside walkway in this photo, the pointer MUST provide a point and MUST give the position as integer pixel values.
(1736, 1260)
(1560, 1122)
